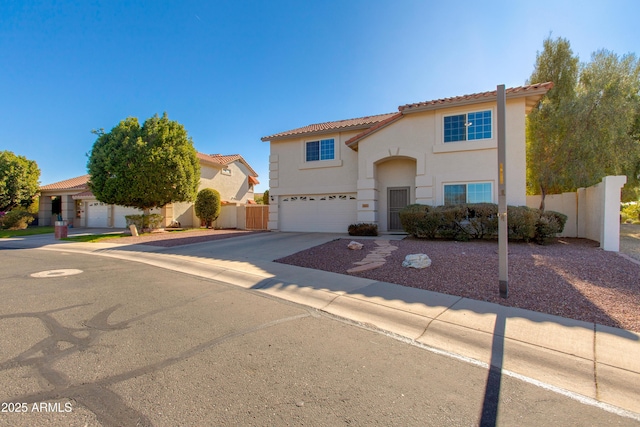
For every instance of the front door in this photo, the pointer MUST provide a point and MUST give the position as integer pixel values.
(398, 198)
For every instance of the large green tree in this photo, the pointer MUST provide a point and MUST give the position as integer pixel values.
(605, 115)
(548, 125)
(144, 166)
(19, 178)
(587, 126)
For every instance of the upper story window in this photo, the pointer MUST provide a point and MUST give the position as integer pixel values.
(467, 127)
(320, 150)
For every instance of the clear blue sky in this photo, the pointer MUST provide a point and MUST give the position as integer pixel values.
(234, 71)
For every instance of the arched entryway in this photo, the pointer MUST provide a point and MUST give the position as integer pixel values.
(396, 177)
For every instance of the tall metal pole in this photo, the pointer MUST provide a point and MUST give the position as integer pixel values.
(503, 232)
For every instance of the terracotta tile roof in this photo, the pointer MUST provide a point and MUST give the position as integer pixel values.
(370, 124)
(79, 183)
(253, 180)
(319, 128)
(225, 160)
(535, 90)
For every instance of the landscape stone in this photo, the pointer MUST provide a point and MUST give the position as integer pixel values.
(355, 245)
(416, 261)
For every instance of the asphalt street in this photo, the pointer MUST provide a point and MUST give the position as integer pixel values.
(108, 342)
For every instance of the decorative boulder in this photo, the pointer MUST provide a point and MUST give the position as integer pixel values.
(416, 261)
(355, 246)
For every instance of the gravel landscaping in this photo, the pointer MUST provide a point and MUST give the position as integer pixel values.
(570, 277)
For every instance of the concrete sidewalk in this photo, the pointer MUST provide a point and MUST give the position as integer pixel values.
(597, 364)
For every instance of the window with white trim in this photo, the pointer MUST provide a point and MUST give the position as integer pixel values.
(476, 192)
(322, 149)
(468, 126)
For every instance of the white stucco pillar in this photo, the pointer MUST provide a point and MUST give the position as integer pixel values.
(610, 227)
(367, 201)
(44, 212)
(68, 209)
(274, 201)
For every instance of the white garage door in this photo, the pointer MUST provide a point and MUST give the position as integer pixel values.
(97, 214)
(328, 213)
(119, 213)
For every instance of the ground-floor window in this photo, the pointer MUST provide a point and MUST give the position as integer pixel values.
(476, 192)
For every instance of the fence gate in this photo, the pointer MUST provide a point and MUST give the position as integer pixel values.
(257, 217)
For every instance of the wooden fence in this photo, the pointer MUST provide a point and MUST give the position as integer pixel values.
(257, 217)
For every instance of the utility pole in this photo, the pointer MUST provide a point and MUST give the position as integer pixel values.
(503, 232)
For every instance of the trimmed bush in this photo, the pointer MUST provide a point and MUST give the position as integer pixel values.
(208, 205)
(480, 221)
(411, 215)
(145, 222)
(17, 219)
(363, 229)
(521, 222)
(548, 225)
(451, 222)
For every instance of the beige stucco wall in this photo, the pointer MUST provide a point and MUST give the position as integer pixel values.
(289, 173)
(592, 213)
(232, 188)
(420, 136)
(409, 152)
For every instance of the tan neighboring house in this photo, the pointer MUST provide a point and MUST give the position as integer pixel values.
(231, 175)
(326, 176)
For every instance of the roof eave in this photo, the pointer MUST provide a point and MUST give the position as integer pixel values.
(273, 138)
(532, 95)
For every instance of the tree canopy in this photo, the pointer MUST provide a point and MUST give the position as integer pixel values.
(19, 181)
(144, 167)
(588, 125)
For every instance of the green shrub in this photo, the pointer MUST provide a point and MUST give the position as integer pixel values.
(208, 205)
(452, 222)
(480, 221)
(521, 222)
(630, 212)
(363, 229)
(548, 225)
(145, 222)
(410, 216)
(17, 219)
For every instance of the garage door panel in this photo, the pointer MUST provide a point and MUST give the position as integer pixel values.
(97, 214)
(329, 213)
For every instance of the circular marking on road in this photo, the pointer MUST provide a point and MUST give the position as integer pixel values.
(56, 273)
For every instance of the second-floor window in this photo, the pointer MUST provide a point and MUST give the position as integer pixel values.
(322, 149)
(467, 127)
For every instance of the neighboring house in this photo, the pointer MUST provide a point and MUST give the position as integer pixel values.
(231, 175)
(326, 176)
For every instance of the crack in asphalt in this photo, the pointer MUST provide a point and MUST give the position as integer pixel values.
(109, 408)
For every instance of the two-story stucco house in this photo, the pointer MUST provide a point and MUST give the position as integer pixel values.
(326, 176)
(231, 175)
